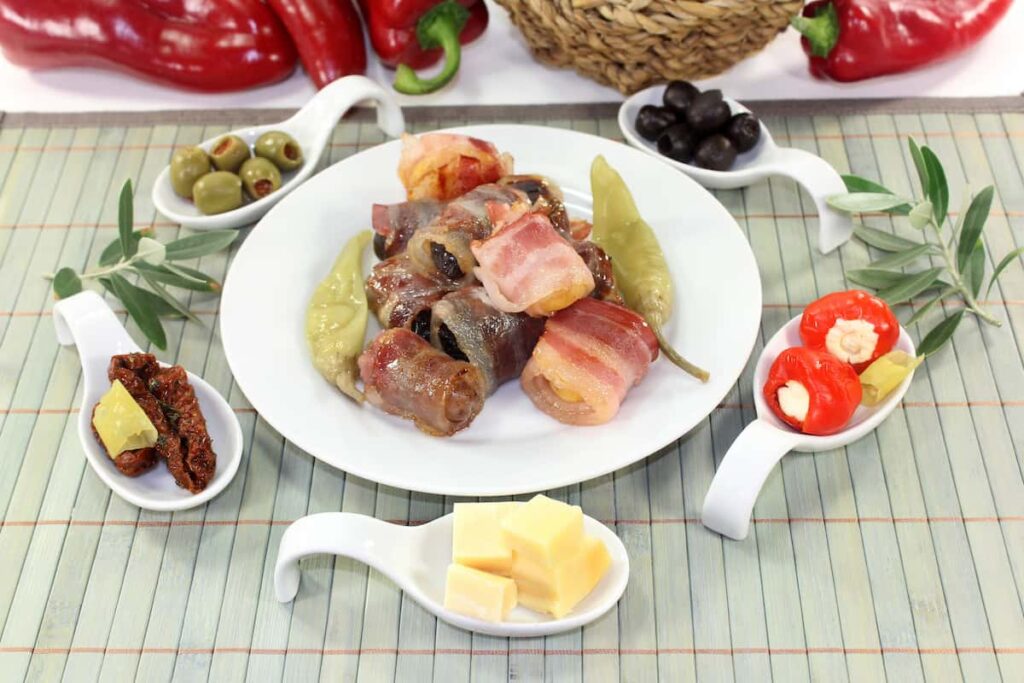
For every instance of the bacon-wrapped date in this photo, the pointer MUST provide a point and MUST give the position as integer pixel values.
(405, 376)
(401, 296)
(467, 326)
(395, 224)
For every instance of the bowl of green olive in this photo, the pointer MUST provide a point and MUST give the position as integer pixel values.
(232, 180)
(719, 143)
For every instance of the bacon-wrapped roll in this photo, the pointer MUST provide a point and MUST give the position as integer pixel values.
(590, 355)
(467, 326)
(527, 266)
(445, 166)
(394, 224)
(401, 296)
(406, 376)
(443, 246)
(545, 196)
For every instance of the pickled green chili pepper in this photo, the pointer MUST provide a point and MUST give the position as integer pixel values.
(641, 273)
(336, 318)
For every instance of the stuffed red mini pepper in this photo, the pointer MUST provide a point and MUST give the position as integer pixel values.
(854, 326)
(812, 391)
(413, 34)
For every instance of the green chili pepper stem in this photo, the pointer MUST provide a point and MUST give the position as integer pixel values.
(821, 30)
(440, 27)
(672, 355)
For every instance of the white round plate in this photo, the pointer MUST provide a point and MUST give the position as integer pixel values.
(511, 447)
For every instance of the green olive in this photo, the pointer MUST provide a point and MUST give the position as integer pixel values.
(217, 192)
(188, 165)
(259, 177)
(280, 148)
(229, 152)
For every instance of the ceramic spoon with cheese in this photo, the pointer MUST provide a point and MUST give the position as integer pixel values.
(504, 569)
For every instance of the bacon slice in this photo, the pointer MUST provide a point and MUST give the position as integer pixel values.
(445, 166)
(395, 224)
(407, 377)
(401, 296)
(589, 357)
(444, 245)
(467, 326)
(527, 266)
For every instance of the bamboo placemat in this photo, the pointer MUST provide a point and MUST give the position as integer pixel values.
(898, 558)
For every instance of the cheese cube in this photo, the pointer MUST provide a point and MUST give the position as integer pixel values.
(557, 591)
(478, 594)
(476, 536)
(121, 423)
(544, 531)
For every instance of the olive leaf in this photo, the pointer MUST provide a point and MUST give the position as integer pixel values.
(201, 244)
(874, 278)
(855, 183)
(125, 220)
(151, 251)
(938, 188)
(902, 258)
(921, 215)
(912, 285)
(972, 225)
(940, 334)
(1007, 260)
(879, 239)
(159, 306)
(168, 298)
(919, 164)
(178, 277)
(66, 283)
(140, 308)
(929, 305)
(863, 202)
(974, 271)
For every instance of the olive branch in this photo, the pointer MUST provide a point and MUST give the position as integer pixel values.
(960, 248)
(138, 253)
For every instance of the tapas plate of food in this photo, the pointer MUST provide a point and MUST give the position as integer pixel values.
(539, 307)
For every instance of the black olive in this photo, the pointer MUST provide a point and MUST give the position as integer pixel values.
(445, 262)
(651, 121)
(380, 246)
(715, 152)
(677, 143)
(449, 344)
(708, 112)
(678, 95)
(744, 130)
(421, 324)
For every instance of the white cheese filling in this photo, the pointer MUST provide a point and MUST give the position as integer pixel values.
(852, 341)
(794, 400)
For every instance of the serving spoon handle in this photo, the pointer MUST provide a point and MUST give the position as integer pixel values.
(322, 112)
(744, 469)
(86, 322)
(382, 545)
(821, 181)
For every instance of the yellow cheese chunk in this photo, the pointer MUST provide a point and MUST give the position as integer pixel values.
(478, 594)
(121, 422)
(544, 531)
(557, 591)
(476, 536)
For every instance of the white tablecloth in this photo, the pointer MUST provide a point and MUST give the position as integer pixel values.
(498, 69)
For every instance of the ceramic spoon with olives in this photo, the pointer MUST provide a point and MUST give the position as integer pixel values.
(719, 143)
(232, 180)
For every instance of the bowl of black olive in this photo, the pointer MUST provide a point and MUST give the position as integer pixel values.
(708, 136)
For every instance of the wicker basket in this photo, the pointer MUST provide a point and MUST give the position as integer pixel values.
(630, 44)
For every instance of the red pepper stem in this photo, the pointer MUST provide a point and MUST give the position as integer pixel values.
(439, 27)
(821, 30)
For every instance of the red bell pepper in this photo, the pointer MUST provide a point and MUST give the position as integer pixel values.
(854, 326)
(328, 35)
(812, 391)
(850, 40)
(413, 34)
(207, 45)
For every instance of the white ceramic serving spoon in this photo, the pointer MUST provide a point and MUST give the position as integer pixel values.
(311, 127)
(766, 159)
(86, 322)
(754, 453)
(417, 559)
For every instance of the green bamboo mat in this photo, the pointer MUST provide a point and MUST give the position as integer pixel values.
(900, 558)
